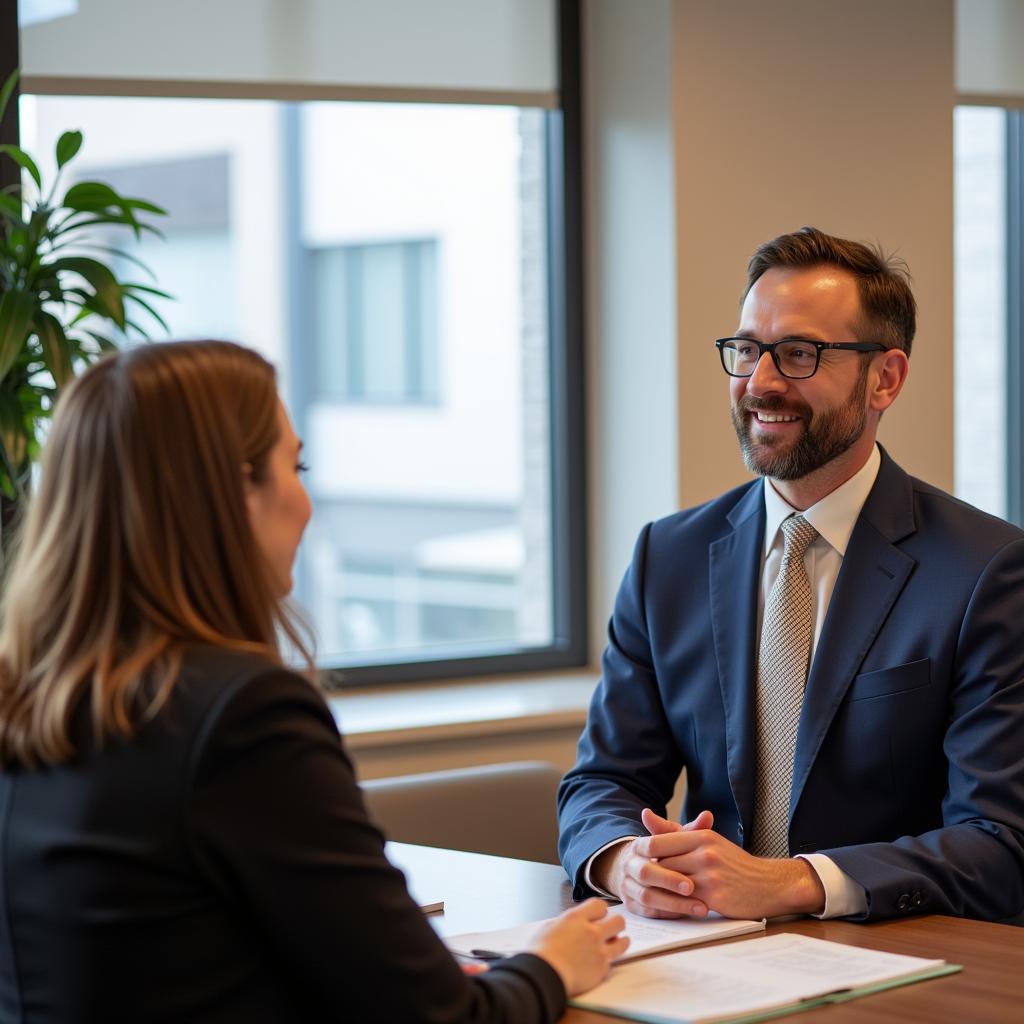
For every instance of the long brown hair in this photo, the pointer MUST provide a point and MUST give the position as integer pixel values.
(138, 542)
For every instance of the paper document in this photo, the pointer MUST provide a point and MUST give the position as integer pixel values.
(744, 981)
(646, 935)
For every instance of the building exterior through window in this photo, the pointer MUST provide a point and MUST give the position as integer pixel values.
(390, 260)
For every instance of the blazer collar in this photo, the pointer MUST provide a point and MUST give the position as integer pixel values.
(890, 505)
(734, 571)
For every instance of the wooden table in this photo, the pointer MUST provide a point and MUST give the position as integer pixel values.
(482, 892)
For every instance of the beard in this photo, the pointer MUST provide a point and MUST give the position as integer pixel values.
(824, 437)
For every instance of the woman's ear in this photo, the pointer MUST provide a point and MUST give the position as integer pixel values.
(248, 485)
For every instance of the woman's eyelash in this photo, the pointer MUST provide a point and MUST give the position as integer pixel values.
(302, 467)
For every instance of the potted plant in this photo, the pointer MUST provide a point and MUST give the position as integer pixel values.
(60, 300)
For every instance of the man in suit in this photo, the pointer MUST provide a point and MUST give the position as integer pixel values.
(834, 653)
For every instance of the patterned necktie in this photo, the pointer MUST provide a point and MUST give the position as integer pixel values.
(782, 665)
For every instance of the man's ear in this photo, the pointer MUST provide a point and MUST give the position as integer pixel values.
(889, 375)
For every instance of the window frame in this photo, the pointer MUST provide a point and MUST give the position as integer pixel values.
(567, 472)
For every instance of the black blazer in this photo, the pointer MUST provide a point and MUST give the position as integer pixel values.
(221, 867)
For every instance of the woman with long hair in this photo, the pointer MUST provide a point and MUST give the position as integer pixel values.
(181, 834)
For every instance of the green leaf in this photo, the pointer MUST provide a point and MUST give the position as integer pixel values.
(16, 436)
(149, 309)
(56, 349)
(132, 286)
(68, 229)
(11, 207)
(90, 196)
(106, 344)
(108, 297)
(7, 474)
(69, 225)
(137, 327)
(5, 92)
(16, 309)
(87, 307)
(97, 197)
(141, 204)
(20, 157)
(67, 146)
(122, 254)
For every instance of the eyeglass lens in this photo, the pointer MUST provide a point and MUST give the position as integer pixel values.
(794, 358)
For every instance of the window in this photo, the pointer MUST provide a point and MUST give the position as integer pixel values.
(980, 276)
(375, 332)
(989, 258)
(411, 270)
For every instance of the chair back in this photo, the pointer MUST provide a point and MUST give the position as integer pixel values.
(507, 810)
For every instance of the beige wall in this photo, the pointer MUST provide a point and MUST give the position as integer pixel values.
(815, 112)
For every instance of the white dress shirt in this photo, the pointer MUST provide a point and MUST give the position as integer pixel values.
(834, 517)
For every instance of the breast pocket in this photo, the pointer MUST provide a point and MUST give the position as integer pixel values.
(888, 681)
(891, 723)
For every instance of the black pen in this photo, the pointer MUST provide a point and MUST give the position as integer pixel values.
(486, 954)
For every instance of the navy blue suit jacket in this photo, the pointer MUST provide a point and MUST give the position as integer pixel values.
(909, 767)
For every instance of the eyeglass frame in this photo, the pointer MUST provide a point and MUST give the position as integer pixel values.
(819, 347)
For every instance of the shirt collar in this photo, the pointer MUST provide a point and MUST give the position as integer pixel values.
(835, 516)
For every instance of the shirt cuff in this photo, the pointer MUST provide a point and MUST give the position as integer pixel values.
(590, 864)
(843, 896)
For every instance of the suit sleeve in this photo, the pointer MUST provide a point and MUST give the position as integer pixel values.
(974, 864)
(627, 757)
(278, 824)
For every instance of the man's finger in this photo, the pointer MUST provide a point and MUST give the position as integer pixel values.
(655, 902)
(669, 844)
(704, 820)
(652, 875)
(657, 825)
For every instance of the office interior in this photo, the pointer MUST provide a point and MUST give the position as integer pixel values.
(708, 127)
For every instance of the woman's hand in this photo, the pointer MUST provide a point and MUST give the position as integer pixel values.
(581, 944)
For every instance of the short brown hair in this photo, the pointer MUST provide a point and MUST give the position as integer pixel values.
(883, 282)
(137, 543)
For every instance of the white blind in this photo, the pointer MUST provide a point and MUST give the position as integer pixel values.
(458, 50)
(989, 41)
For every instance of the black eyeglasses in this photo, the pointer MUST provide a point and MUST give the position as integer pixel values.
(794, 359)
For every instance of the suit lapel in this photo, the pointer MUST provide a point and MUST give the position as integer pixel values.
(734, 566)
(873, 573)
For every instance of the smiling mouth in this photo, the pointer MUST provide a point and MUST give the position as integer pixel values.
(774, 417)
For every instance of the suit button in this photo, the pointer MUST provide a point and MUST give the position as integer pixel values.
(903, 903)
(917, 899)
